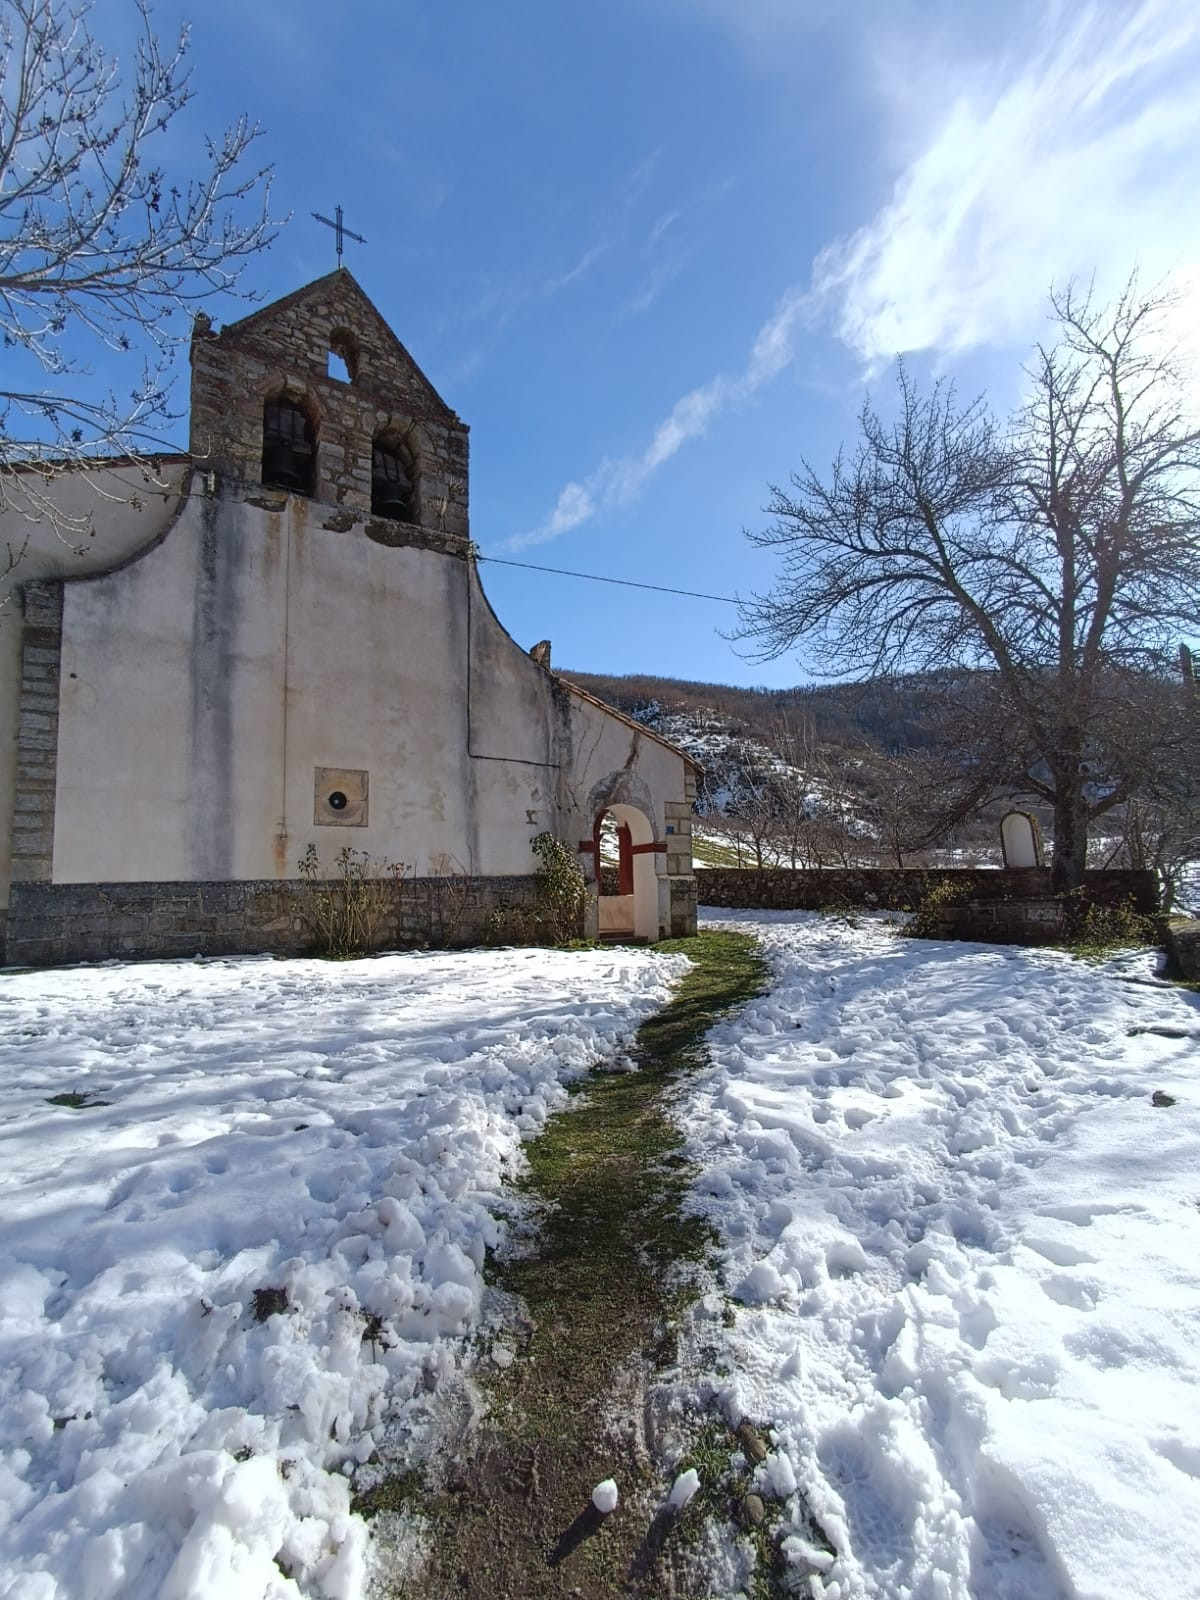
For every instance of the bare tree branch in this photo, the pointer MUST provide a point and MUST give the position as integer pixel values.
(99, 240)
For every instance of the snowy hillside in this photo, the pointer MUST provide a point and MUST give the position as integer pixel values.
(807, 777)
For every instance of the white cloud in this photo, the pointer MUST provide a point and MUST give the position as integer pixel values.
(1075, 151)
(1081, 157)
(618, 482)
(575, 505)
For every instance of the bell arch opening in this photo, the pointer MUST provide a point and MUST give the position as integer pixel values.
(393, 479)
(289, 445)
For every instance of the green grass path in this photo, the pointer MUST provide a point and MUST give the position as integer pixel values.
(513, 1521)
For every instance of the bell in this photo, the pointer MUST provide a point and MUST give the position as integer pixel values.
(284, 467)
(394, 505)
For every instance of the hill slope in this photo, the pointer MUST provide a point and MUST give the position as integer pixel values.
(889, 715)
(831, 774)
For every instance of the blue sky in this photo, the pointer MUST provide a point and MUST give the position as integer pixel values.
(653, 251)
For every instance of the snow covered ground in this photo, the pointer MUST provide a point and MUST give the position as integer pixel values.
(963, 1240)
(966, 1246)
(256, 1243)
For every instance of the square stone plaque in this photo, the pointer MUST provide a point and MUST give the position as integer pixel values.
(340, 797)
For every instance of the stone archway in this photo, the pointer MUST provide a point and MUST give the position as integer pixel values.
(632, 912)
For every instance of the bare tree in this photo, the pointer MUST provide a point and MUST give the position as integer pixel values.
(899, 801)
(808, 813)
(752, 815)
(1158, 826)
(100, 242)
(1060, 552)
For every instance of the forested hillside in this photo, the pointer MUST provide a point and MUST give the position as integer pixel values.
(835, 774)
(889, 716)
(901, 771)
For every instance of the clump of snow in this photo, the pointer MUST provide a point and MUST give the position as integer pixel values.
(682, 1490)
(254, 1241)
(604, 1496)
(966, 1246)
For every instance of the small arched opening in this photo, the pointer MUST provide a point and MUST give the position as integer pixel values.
(393, 480)
(289, 453)
(626, 858)
(342, 364)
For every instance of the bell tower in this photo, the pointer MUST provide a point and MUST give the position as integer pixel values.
(314, 397)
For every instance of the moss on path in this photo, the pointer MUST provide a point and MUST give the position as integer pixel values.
(514, 1519)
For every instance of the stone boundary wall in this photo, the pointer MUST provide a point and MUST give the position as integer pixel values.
(1040, 921)
(1183, 946)
(903, 888)
(53, 923)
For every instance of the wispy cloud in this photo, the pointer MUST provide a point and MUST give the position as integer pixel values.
(1080, 154)
(589, 258)
(766, 29)
(655, 281)
(1079, 158)
(618, 482)
(501, 301)
(638, 181)
(663, 225)
(667, 249)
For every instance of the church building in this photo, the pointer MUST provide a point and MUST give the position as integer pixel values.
(277, 643)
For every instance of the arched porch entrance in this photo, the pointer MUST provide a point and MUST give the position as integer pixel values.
(632, 912)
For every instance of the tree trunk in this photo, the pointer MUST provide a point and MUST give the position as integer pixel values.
(1070, 836)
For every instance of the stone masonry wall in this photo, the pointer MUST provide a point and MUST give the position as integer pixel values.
(677, 816)
(285, 350)
(903, 889)
(1032, 921)
(684, 904)
(1183, 945)
(37, 733)
(54, 923)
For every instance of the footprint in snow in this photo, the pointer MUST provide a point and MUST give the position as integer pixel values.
(1077, 1294)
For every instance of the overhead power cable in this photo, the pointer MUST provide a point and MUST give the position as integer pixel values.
(595, 577)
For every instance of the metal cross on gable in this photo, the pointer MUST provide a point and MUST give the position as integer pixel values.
(340, 229)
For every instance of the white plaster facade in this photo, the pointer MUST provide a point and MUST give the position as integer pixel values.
(127, 512)
(231, 655)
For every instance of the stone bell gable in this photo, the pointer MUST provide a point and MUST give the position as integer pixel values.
(315, 395)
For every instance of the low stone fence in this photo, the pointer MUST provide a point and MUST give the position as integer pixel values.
(1183, 946)
(50, 924)
(904, 888)
(1034, 920)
